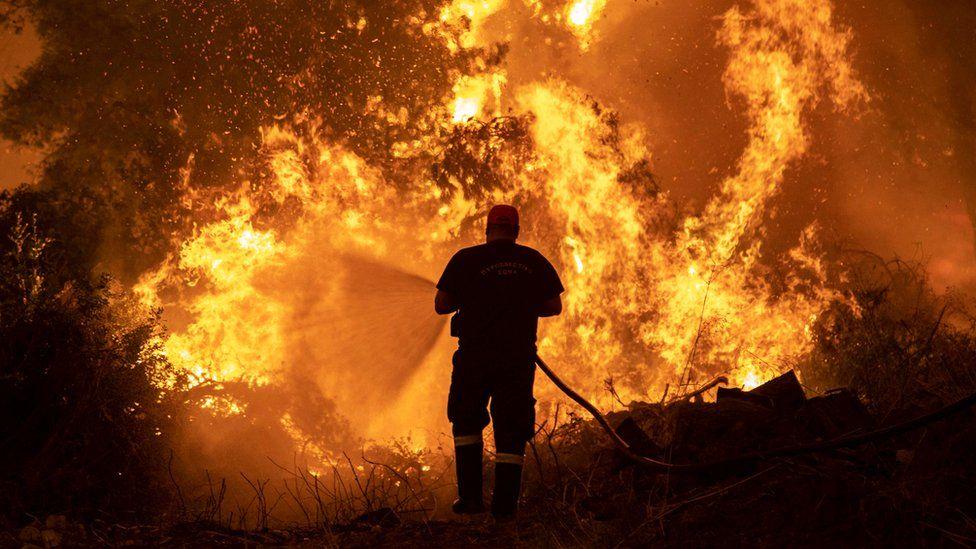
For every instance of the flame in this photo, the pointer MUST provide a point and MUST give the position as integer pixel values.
(473, 93)
(652, 297)
(782, 55)
(601, 223)
(580, 15)
(470, 15)
(226, 256)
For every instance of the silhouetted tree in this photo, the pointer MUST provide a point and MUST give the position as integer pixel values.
(84, 423)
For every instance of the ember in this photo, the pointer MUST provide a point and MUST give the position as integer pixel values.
(269, 191)
(656, 304)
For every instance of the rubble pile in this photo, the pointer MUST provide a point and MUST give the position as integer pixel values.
(776, 414)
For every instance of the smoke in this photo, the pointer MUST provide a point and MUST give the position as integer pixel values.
(897, 180)
(903, 175)
(19, 48)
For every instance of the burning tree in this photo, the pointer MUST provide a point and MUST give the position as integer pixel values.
(277, 177)
(129, 95)
(220, 151)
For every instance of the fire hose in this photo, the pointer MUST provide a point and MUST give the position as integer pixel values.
(844, 441)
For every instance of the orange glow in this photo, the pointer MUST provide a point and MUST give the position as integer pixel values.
(581, 15)
(473, 94)
(469, 14)
(652, 296)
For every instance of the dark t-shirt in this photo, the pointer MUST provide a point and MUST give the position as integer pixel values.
(499, 287)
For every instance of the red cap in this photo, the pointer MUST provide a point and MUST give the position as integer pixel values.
(503, 214)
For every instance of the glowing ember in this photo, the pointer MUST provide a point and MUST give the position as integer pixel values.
(470, 15)
(581, 11)
(581, 15)
(653, 297)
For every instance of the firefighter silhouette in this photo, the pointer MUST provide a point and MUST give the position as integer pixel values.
(497, 292)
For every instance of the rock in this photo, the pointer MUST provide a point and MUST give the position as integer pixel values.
(51, 538)
(708, 431)
(784, 392)
(636, 438)
(30, 534)
(56, 522)
(735, 393)
(837, 413)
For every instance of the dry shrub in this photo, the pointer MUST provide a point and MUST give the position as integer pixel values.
(902, 346)
(83, 423)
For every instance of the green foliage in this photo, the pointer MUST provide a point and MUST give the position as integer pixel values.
(83, 421)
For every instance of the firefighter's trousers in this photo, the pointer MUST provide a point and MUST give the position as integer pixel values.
(501, 382)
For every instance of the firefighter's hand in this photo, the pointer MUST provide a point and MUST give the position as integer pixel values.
(444, 304)
(551, 307)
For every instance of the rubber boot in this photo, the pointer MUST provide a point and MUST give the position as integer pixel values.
(467, 460)
(508, 487)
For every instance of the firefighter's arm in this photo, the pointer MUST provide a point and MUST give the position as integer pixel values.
(444, 304)
(551, 307)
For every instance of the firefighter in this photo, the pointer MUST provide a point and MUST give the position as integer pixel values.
(497, 292)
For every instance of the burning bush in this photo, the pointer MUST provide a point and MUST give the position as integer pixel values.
(84, 420)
